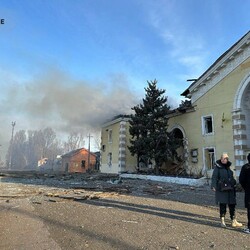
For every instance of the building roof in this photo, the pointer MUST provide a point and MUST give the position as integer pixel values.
(220, 62)
(76, 151)
(116, 119)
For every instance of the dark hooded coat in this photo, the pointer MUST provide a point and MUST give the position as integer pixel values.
(244, 180)
(222, 172)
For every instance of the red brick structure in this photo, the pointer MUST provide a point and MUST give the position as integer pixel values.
(76, 161)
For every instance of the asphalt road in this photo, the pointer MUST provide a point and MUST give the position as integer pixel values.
(95, 214)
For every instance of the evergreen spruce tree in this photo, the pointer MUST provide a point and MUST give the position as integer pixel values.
(138, 132)
(148, 128)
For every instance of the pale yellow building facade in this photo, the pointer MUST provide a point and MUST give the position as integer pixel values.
(115, 155)
(217, 121)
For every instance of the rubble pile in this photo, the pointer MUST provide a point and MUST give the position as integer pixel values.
(81, 186)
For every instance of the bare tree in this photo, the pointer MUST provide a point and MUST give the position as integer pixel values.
(97, 142)
(18, 150)
(75, 141)
(29, 147)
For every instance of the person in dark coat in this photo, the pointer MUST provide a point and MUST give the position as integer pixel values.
(223, 174)
(244, 180)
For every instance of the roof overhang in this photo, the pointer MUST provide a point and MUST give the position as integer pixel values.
(218, 65)
(117, 120)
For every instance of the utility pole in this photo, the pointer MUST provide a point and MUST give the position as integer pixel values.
(89, 151)
(11, 144)
(0, 159)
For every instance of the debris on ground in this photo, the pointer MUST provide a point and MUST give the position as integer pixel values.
(79, 211)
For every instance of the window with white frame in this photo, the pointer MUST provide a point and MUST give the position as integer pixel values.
(110, 159)
(207, 125)
(110, 135)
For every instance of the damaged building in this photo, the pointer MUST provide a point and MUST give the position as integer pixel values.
(214, 119)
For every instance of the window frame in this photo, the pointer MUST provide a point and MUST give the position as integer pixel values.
(110, 134)
(212, 148)
(204, 126)
(110, 159)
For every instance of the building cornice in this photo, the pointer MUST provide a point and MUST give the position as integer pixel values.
(225, 64)
(117, 120)
(176, 112)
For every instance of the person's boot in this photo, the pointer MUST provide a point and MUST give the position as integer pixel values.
(223, 224)
(235, 223)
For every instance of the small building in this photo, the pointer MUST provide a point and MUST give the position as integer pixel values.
(49, 165)
(78, 161)
(115, 155)
(42, 162)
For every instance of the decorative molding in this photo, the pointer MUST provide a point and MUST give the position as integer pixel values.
(240, 136)
(122, 145)
(122, 135)
(239, 127)
(246, 100)
(239, 117)
(240, 91)
(120, 120)
(212, 79)
(240, 157)
(240, 147)
(185, 144)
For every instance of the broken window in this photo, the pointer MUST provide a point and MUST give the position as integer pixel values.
(207, 123)
(83, 164)
(209, 154)
(66, 167)
(109, 159)
(110, 135)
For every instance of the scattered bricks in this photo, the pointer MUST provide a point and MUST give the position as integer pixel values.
(49, 194)
(67, 196)
(80, 198)
(94, 197)
(37, 202)
(51, 200)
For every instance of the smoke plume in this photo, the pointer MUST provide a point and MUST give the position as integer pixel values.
(63, 103)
